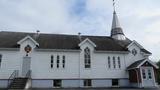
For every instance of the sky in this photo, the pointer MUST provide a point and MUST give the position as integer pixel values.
(140, 19)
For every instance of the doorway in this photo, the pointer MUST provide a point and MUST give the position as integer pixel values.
(148, 79)
(26, 65)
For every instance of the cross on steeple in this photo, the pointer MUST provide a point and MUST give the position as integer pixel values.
(114, 5)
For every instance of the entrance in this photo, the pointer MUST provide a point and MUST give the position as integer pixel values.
(148, 79)
(26, 65)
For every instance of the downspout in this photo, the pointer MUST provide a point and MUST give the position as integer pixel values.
(137, 77)
(79, 68)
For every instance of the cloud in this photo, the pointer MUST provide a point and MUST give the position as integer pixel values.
(27, 15)
(139, 18)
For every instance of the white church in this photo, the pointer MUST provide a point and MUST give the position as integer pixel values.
(41, 60)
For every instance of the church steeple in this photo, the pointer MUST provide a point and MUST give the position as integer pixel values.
(116, 30)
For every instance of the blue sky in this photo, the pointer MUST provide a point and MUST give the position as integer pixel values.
(140, 19)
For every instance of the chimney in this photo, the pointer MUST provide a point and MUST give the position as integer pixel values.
(79, 36)
(37, 34)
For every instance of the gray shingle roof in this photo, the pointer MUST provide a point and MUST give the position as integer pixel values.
(145, 51)
(135, 64)
(61, 41)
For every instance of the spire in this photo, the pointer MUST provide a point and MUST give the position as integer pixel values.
(116, 31)
(116, 28)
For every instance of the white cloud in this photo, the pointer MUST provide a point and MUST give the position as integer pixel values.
(139, 18)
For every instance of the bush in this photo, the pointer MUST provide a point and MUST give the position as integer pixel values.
(158, 74)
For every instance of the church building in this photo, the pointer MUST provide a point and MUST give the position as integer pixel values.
(41, 60)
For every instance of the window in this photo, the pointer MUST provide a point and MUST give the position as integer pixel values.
(115, 82)
(149, 74)
(119, 62)
(0, 60)
(63, 62)
(87, 82)
(109, 62)
(57, 83)
(143, 74)
(134, 52)
(114, 62)
(52, 61)
(57, 61)
(87, 58)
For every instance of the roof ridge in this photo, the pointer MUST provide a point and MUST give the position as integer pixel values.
(54, 34)
(58, 41)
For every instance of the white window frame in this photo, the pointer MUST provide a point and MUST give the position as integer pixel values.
(119, 62)
(52, 61)
(57, 83)
(149, 74)
(87, 82)
(87, 58)
(63, 61)
(58, 61)
(114, 62)
(144, 76)
(109, 62)
(0, 60)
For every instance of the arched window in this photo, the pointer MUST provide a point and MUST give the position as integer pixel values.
(57, 61)
(114, 62)
(63, 61)
(119, 62)
(0, 60)
(109, 62)
(52, 61)
(87, 58)
(143, 74)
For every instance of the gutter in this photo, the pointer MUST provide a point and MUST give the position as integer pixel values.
(9, 49)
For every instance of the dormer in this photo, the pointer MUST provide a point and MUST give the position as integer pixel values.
(135, 48)
(87, 43)
(27, 41)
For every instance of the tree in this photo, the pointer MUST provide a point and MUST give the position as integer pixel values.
(158, 73)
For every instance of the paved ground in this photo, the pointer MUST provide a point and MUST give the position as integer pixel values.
(93, 89)
(100, 89)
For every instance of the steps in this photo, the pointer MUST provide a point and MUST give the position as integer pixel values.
(18, 83)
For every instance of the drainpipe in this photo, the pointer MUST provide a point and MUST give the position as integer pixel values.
(79, 68)
(137, 77)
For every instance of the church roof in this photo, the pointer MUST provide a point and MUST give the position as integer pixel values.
(139, 63)
(61, 41)
(135, 64)
(145, 51)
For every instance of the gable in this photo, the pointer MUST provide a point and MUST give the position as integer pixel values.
(137, 46)
(148, 63)
(143, 62)
(87, 41)
(27, 38)
(134, 43)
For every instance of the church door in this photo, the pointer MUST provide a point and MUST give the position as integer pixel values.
(148, 79)
(26, 65)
